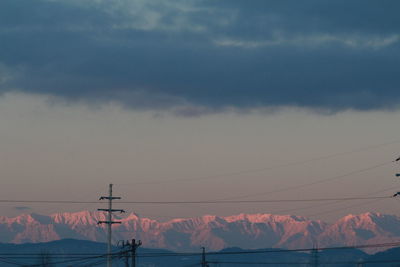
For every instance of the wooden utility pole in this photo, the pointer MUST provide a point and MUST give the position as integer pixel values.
(125, 253)
(203, 258)
(315, 257)
(130, 248)
(134, 247)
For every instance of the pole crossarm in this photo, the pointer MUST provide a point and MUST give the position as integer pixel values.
(102, 198)
(112, 210)
(108, 222)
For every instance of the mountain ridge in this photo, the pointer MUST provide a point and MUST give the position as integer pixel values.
(250, 231)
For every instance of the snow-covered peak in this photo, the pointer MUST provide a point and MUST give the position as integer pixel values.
(132, 217)
(81, 217)
(259, 230)
(264, 217)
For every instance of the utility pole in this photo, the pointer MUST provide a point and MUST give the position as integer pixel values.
(203, 258)
(315, 257)
(125, 253)
(134, 247)
(109, 222)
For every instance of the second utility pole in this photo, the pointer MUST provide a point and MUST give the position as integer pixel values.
(134, 247)
(203, 258)
(109, 222)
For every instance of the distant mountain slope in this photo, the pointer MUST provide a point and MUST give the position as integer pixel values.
(69, 252)
(250, 231)
(366, 228)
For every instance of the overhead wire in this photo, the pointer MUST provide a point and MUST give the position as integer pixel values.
(102, 257)
(293, 187)
(26, 255)
(262, 251)
(5, 260)
(304, 262)
(226, 200)
(199, 201)
(344, 208)
(253, 201)
(255, 170)
(74, 260)
(231, 200)
(339, 201)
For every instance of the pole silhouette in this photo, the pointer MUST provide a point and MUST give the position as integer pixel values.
(134, 247)
(109, 222)
(203, 258)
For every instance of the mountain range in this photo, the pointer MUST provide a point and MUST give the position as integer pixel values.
(249, 231)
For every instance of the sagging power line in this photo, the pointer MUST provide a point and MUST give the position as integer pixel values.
(255, 170)
(196, 201)
(196, 254)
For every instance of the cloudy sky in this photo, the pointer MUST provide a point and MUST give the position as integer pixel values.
(199, 100)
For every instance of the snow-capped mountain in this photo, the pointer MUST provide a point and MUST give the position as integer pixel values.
(244, 230)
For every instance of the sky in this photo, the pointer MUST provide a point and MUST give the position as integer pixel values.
(200, 100)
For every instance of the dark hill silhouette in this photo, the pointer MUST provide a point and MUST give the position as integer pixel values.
(58, 251)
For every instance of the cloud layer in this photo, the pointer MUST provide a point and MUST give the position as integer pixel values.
(331, 55)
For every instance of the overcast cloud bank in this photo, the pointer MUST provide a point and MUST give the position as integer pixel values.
(204, 56)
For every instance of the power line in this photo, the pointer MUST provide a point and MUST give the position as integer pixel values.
(337, 177)
(225, 200)
(301, 208)
(255, 201)
(200, 201)
(75, 260)
(59, 254)
(103, 260)
(91, 264)
(255, 170)
(335, 202)
(69, 261)
(33, 255)
(261, 251)
(65, 259)
(5, 260)
(392, 244)
(305, 262)
(344, 208)
(188, 254)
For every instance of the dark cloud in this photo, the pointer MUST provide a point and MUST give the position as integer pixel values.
(211, 55)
